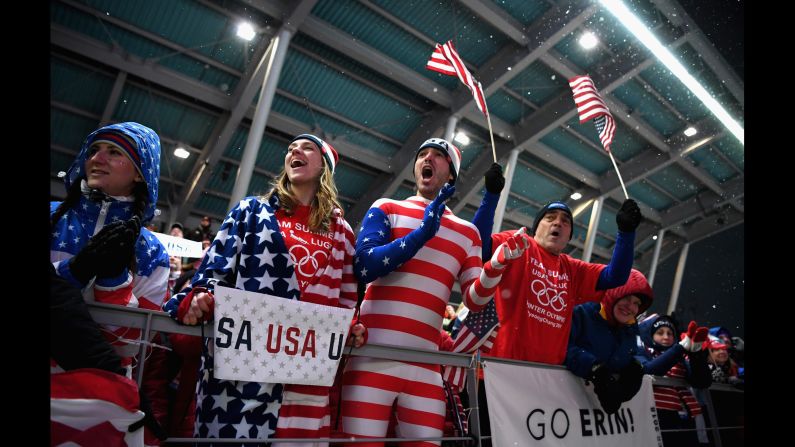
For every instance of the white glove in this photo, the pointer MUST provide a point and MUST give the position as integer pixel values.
(510, 250)
(693, 340)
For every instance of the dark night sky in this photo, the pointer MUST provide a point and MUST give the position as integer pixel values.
(713, 286)
(723, 22)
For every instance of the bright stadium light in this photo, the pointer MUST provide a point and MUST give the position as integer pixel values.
(690, 131)
(639, 30)
(181, 153)
(245, 31)
(588, 40)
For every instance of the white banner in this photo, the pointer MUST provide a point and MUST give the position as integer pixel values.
(177, 246)
(265, 338)
(550, 407)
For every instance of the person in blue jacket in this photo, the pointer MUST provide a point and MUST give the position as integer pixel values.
(604, 341)
(665, 355)
(98, 239)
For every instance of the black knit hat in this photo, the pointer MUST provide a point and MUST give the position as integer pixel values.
(664, 321)
(551, 206)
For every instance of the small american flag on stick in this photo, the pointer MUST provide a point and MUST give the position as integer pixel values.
(479, 330)
(591, 105)
(445, 60)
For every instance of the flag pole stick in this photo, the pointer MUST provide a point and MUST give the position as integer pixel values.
(619, 174)
(491, 134)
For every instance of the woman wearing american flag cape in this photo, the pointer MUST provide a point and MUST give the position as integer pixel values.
(293, 243)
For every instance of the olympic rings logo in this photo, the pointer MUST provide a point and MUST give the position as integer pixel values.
(547, 296)
(307, 263)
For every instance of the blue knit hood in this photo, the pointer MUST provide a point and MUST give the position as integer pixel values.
(147, 146)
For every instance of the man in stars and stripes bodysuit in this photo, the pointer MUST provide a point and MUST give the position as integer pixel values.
(292, 243)
(411, 252)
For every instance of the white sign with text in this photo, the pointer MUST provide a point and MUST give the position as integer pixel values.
(177, 246)
(265, 338)
(553, 407)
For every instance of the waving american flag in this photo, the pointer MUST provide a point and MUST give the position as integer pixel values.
(446, 60)
(479, 330)
(590, 105)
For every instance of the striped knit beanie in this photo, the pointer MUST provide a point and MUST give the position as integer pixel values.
(123, 142)
(329, 153)
(448, 148)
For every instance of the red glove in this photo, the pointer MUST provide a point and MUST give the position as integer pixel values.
(693, 340)
(358, 329)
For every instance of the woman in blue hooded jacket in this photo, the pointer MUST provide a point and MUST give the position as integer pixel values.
(604, 341)
(97, 231)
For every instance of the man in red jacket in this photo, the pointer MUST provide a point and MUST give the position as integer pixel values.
(536, 298)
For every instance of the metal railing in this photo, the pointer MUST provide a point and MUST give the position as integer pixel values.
(149, 321)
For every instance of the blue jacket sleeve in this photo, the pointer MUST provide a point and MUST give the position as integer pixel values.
(617, 271)
(376, 254)
(484, 221)
(578, 360)
(663, 363)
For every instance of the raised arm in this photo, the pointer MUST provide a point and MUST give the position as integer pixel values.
(617, 271)
(377, 255)
(478, 292)
(484, 216)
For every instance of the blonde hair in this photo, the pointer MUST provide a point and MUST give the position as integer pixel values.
(323, 204)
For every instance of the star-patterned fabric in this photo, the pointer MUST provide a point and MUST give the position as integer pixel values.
(249, 253)
(478, 330)
(148, 287)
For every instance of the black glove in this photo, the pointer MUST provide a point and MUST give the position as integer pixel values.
(630, 379)
(700, 375)
(148, 420)
(628, 217)
(607, 389)
(108, 252)
(494, 179)
(76, 340)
